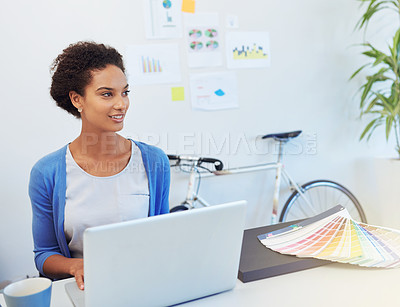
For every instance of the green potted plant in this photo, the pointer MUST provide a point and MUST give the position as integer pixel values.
(380, 104)
(381, 90)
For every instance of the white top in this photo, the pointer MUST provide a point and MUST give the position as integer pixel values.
(93, 201)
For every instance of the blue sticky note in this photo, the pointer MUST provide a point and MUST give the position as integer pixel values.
(220, 92)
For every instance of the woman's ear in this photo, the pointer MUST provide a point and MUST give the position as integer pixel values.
(76, 100)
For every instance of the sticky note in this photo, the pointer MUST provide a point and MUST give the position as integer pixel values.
(178, 93)
(188, 6)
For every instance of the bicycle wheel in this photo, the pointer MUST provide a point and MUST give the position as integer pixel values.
(322, 195)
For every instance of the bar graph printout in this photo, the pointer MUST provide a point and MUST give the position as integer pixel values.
(247, 49)
(153, 64)
(335, 236)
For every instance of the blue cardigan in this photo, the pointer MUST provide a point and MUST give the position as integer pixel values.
(47, 187)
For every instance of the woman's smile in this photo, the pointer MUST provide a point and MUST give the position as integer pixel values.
(118, 118)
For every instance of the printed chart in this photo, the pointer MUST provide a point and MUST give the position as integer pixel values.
(203, 40)
(245, 53)
(248, 50)
(334, 236)
(163, 19)
(214, 91)
(203, 37)
(153, 64)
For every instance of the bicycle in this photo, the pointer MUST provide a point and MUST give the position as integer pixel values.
(305, 201)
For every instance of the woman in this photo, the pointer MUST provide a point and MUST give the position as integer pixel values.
(100, 177)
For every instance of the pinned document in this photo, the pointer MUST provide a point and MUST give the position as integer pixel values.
(153, 64)
(203, 40)
(214, 91)
(248, 50)
(163, 19)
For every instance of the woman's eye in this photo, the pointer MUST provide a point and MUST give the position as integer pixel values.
(107, 94)
(126, 93)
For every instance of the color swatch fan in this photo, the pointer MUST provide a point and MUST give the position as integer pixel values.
(334, 236)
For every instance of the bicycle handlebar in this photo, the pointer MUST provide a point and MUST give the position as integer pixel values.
(173, 157)
(217, 163)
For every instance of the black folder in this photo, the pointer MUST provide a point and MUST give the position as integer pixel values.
(259, 262)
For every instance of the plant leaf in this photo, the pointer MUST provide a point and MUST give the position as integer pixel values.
(371, 80)
(387, 104)
(374, 7)
(368, 127)
(395, 95)
(377, 54)
(395, 48)
(373, 103)
(389, 123)
(358, 70)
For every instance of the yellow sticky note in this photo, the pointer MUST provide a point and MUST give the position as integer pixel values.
(178, 93)
(188, 6)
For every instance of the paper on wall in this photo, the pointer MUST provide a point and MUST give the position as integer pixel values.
(203, 40)
(153, 64)
(248, 49)
(214, 91)
(232, 22)
(163, 19)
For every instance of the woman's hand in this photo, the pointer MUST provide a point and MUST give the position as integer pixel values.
(77, 271)
(58, 266)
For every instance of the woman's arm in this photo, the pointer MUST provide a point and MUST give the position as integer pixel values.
(43, 229)
(49, 258)
(58, 266)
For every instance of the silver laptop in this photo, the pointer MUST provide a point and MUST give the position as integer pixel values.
(162, 260)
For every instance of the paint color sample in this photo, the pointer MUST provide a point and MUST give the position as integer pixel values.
(337, 237)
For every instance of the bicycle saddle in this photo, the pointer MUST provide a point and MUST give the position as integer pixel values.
(284, 136)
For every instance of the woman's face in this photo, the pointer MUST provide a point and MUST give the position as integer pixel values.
(105, 101)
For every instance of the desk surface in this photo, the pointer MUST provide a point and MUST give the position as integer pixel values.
(331, 285)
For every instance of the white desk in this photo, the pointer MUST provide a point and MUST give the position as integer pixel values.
(330, 285)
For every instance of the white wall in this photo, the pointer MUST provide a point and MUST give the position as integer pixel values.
(306, 88)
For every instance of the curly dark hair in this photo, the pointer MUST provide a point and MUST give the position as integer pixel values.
(72, 70)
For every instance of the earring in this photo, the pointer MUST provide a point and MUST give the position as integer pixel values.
(79, 110)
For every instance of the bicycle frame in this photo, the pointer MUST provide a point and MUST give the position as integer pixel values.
(192, 196)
